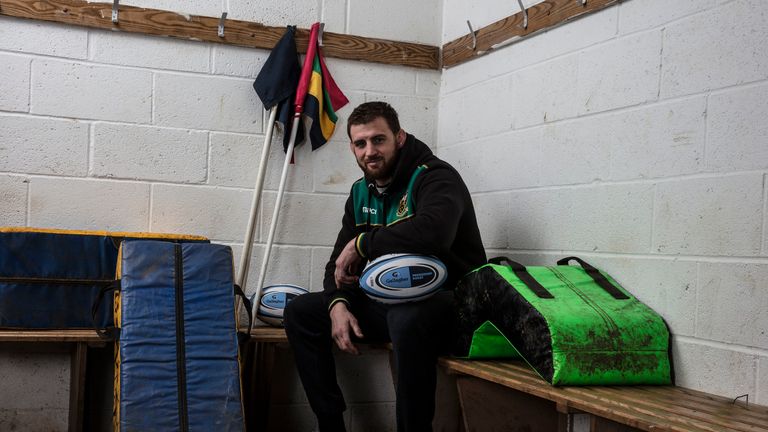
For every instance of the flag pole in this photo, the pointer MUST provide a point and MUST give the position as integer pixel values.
(301, 93)
(276, 211)
(245, 257)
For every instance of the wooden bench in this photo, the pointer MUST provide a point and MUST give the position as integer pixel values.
(510, 396)
(79, 340)
(257, 361)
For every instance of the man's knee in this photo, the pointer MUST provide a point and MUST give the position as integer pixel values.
(302, 309)
(427, 322)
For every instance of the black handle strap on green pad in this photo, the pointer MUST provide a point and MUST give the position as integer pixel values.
(597, 276)
(524, 276)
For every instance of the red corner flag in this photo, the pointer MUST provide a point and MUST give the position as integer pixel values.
(317, 96)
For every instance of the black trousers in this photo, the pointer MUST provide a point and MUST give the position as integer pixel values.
(419, 333)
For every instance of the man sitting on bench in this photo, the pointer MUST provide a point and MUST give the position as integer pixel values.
(440, 220)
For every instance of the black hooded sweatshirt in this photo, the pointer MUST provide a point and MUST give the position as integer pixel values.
(430, 212)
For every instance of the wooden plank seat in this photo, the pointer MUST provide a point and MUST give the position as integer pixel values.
(510, 396)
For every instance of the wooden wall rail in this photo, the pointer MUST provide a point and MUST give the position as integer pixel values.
(541, 16)
(200, 28)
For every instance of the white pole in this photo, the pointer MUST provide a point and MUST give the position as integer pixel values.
(276, 211)
(245, 258)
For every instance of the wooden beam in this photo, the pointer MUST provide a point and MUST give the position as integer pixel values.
(80, 335)
(541, 16)
(199, 28)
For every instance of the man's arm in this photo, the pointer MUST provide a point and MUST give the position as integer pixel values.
(339, 277)
(335, 292)
(440, 198)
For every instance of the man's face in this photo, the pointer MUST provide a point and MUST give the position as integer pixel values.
(376, 148)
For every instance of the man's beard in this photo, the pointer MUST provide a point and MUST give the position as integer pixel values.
(385, 172)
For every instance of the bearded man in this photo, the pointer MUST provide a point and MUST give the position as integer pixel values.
(408, 201)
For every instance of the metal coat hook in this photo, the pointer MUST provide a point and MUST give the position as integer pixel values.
(221, 24)
(474, 36)
(583, 2)
(115, 11)
(525, 14)
(320, 34)
(742, 396)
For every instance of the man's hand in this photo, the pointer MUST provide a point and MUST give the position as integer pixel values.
(342, 321)
(346, 265)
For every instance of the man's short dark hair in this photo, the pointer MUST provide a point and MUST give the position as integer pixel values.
(370, 111)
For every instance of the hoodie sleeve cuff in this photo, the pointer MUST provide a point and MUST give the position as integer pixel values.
(360, 245)
(337, 300)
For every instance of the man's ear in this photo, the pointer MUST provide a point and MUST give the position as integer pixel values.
(400, 138)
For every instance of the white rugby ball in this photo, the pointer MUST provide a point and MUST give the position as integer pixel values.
(273, 301)
(400, 278)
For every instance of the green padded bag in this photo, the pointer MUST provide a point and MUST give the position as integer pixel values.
(574, 325)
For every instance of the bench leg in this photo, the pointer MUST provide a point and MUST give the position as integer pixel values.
(599, 424)
(77, 386)
(258, 362)
(491, 407)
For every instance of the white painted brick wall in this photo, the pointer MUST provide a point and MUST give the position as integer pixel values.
(334, 167)
(571, 155)
(300, 216)
(14, 83)
(320, 257)
(455, 122)
(235, 161)
(148, 51)
(60, 40)
(148, 153)
(334, 14)
(37, 145)
(396, 19)
(418, 116)
(196, 102)
(723, 46)
(25, 369)
(533, 103)
(184, 7)
(92, 92)
(428, 83)
(360, 76)
(660, 140)
(505, 159)
(287, 265)
(621, 73)
(13, 195)
(301, 13)
(494, 213)
(601, 218)
(88, 204)
(47, 372)
(642, 15)
(709, 216)
(217, 213)
(738, 133)
(238, 61)
(733, 304)
(714, 369)
(34, 420)
(762, 382)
